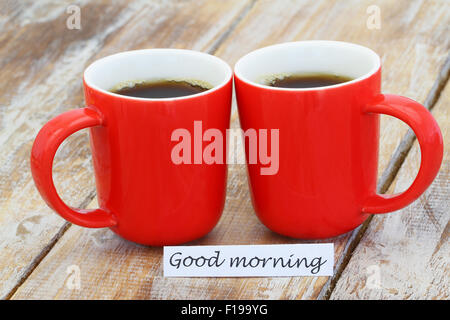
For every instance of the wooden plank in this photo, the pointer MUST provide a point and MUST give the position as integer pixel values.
(42, 63)
(404, 255)
(413, 47)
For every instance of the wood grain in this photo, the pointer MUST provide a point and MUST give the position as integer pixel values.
(405, 255)
(42, 64)
(413, 45)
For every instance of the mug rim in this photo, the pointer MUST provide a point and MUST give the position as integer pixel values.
(377, 66)
(89, 83)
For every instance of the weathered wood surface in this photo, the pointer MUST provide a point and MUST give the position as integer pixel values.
(42, 66)
(38, 249)
(405, 255)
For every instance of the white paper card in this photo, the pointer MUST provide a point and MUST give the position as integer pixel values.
(283, 260)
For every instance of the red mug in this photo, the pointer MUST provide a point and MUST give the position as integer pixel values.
(143, 195)
(328, 138)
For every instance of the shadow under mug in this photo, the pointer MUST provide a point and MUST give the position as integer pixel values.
(143, 195)
(328, 138)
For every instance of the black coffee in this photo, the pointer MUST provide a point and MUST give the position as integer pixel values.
(309, 81)
(161, 89)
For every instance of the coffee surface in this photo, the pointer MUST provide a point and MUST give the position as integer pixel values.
(309, 81)
(161, 89)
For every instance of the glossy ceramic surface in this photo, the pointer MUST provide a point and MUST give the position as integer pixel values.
(328, 139)
(143, 195)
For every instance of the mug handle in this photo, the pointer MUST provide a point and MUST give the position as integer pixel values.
(431, 147)
(43, 152)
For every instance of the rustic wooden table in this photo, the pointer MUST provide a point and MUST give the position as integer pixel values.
(402, 255)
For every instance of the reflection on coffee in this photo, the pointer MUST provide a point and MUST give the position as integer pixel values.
(162, 89)
(308, 81)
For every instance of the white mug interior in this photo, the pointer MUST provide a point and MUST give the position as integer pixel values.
(307, 57)
(122, 69)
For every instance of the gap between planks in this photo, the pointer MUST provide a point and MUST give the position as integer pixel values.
(37, 260)
(232, 27)
(388, 176)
